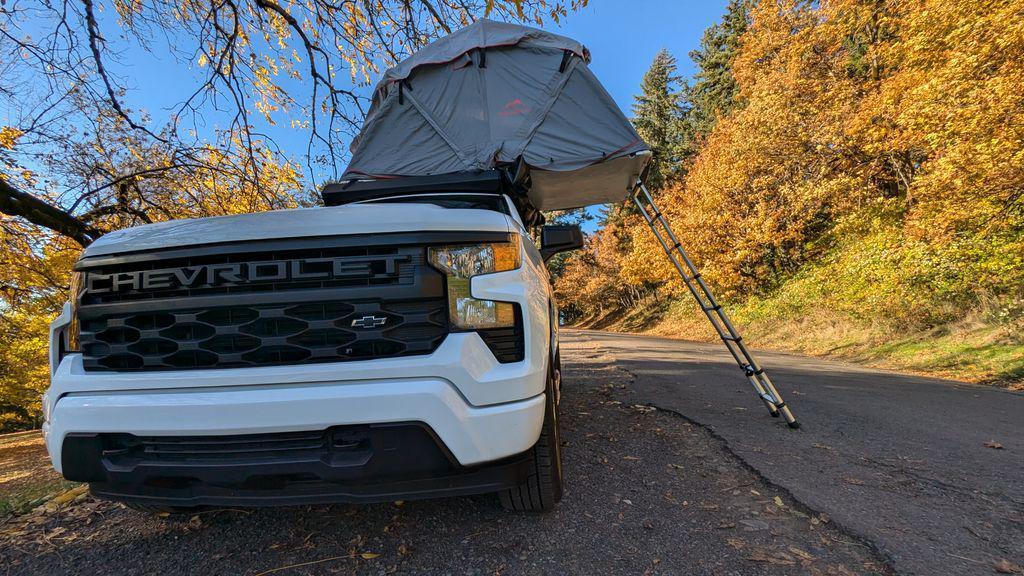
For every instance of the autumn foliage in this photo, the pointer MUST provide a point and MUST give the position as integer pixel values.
(875, 159)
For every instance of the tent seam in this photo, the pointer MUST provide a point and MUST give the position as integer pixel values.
(437, 128)
(542, 113)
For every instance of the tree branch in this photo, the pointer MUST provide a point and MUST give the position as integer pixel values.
(14, 202)
(94, 45)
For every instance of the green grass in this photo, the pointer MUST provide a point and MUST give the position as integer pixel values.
(26, 477)
(957, 356)
(28, 496)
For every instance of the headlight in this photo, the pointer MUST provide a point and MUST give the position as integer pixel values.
(461, 263)
(74, 328)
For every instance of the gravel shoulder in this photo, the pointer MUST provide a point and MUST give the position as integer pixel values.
(648, 492)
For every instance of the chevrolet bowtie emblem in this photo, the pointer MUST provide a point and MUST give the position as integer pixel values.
(369, 322)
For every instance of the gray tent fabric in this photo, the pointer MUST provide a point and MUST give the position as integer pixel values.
(490, 94)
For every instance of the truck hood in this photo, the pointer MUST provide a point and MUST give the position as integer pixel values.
(299, 223)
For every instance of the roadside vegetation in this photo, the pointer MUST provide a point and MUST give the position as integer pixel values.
(26, 477)
(849, 176)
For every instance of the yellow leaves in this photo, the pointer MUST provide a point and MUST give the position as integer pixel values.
(892, 129)
(9, 136)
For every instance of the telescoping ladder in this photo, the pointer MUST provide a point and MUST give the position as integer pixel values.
(712, 309)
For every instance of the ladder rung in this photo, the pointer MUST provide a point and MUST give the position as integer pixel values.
(657, 222)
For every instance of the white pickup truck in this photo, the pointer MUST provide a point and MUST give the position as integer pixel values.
(400, 342)
(391, 348)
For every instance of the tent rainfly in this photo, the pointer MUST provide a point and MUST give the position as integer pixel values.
(495, 94)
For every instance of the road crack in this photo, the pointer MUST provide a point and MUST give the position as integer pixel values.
(609, 363)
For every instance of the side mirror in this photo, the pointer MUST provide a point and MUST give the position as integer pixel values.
(555, 239)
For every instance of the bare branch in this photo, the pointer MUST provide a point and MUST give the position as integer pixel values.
(14, 202)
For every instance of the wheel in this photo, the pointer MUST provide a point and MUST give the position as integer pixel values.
(158, 509)
(543, 488)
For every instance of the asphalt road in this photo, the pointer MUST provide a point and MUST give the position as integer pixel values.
(647, 492)
(930, 472)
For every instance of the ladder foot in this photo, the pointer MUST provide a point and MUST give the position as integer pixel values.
(794, 425)
(775, 414)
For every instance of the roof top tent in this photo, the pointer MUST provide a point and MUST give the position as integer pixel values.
(503, 108)
(497, 96)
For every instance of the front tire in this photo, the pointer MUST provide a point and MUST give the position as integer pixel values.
(543, 488)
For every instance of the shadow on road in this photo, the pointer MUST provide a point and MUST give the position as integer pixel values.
(647, 493)
(906, 462)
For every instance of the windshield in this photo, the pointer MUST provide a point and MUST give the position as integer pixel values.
(492, 202)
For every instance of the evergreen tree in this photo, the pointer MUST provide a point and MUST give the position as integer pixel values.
(714, 91)
(657, 113)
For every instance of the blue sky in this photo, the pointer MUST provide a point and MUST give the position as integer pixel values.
(623, 37)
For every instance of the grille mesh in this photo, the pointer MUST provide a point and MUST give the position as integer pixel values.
(263, 335)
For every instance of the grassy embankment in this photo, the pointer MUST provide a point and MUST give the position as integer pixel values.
(861, 305)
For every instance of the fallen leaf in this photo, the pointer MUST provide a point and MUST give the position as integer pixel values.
(68, 495)
(1004, 566)
(778, 502)
(736, 543)
(994, 445)
(753, 524)
(779, 558)
(801, 553)
(368, 555)
(630, 458)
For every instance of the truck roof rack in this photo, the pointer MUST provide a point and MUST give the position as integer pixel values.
(512, 179)
(374, 188)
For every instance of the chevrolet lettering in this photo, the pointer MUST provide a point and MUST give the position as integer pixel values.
(244, 273)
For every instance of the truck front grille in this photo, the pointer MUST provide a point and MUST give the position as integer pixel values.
(264, 335)
(259, 305)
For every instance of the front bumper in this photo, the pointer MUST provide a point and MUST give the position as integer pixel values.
(341, 464)
(472, 434)
(480, 409)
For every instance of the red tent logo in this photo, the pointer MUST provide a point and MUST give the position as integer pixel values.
(514, 108)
